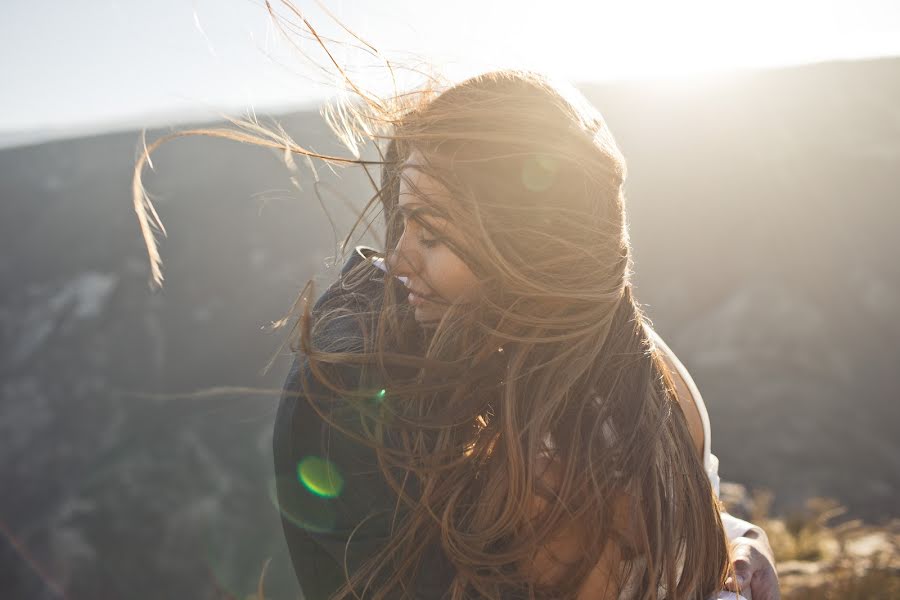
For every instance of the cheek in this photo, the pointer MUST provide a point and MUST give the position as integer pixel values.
(452, 277)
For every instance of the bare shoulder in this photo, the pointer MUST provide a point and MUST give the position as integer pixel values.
(685, 399)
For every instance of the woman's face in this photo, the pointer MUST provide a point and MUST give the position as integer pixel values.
(436, 277)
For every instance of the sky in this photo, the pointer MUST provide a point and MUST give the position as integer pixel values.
(95, 65)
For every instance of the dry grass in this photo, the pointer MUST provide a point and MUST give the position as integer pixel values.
(819, 558)
(874, 584)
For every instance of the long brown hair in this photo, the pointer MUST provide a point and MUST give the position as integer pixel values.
(551, 364)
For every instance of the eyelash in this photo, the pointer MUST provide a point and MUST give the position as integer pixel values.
(429, 243)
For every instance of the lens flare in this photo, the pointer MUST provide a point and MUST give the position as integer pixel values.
(303, 509)
(539, 172)
(320, 476)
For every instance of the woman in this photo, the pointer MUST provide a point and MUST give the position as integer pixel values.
(482, 410)
(538, 438)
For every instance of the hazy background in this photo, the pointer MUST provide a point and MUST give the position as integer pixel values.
(764, 215)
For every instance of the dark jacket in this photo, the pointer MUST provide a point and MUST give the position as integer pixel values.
(318, 529)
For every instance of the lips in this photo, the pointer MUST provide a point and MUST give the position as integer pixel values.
(417, 298)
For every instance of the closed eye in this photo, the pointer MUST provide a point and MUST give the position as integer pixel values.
(429, 243)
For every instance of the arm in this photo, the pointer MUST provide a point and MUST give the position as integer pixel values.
(316, 529)
(325, 533)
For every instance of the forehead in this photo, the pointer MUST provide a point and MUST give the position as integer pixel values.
(418, 187)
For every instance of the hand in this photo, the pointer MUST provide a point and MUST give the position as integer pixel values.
(754, 566)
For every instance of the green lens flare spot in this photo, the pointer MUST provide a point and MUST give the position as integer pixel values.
(298, 506)
(320, 477)
(379, 397)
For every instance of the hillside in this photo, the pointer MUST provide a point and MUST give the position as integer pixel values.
(763, 211)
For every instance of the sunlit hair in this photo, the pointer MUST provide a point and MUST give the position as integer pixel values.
(549, 375)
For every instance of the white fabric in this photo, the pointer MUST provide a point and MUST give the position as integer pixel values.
(734, 527)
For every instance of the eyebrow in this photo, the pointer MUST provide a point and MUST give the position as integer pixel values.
(419, 210)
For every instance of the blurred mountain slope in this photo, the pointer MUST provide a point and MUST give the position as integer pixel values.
(763, 211)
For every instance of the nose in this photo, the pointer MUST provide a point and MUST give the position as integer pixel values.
(402, 260)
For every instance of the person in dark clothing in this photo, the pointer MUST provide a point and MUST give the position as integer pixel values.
(325, 534)
(328, 536)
